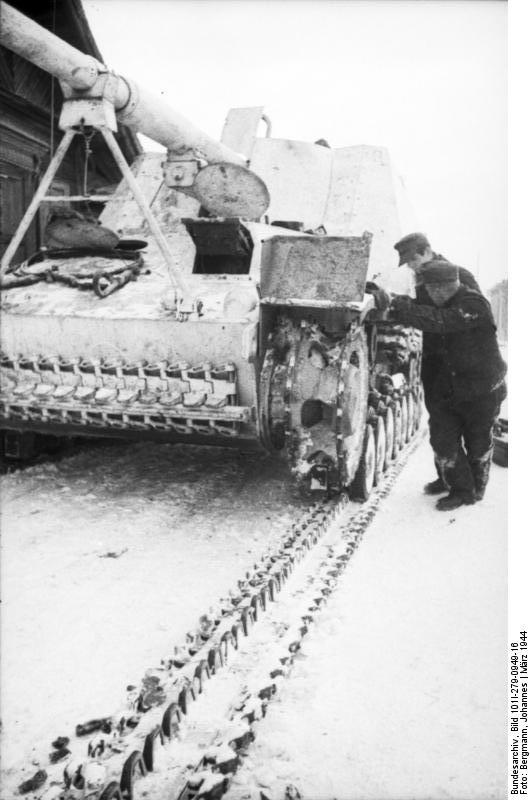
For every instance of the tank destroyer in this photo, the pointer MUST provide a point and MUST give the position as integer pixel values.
(223, 301)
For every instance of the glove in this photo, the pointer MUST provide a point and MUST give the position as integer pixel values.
(401, 302)
(381, 298)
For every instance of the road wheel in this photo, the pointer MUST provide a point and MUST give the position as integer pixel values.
(411, 408)
(352, 403)
(185, 698)
(154, 738)
(380, 447)
(364, 479)
(389, 436)
(404, 420)
(398, 436)
(419, 406)
(171, 721)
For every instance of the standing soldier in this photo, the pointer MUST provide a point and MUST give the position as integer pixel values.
(415, 251)
(467, 386)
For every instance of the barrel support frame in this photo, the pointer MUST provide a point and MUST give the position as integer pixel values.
(102, 118)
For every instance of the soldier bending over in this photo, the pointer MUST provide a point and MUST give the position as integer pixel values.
(468, 387)
(416, 252)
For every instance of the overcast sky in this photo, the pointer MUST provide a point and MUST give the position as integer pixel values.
(425, 78)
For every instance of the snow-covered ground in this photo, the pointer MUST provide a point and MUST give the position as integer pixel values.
(400, 690)
(109, 557)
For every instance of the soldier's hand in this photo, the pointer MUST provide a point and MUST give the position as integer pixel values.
(401, 302)
(381, 298)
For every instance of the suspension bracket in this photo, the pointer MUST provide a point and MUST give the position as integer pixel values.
(90, 107)
(180, 169)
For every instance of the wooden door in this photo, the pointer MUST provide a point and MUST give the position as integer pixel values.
(16, 191)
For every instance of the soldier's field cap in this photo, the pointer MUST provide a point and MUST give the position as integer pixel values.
(409, 245)
(439, 272)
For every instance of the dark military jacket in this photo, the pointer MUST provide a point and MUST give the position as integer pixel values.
(432, 361)
(469, 363)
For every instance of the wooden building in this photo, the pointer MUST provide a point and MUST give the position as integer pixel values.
(30, 104)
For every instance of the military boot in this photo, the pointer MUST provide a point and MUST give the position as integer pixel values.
(456, 473)
(481, 472)
(438, 486)
(435, 487)
(455, 500)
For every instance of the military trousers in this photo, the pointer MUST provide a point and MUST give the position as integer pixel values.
(461, 435)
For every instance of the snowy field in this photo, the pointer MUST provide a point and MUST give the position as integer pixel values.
(110, 556)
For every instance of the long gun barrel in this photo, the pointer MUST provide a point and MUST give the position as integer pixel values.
(136, 107)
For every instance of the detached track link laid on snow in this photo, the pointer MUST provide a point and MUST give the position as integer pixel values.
(140, 729)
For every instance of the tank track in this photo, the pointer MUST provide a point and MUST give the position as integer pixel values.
(121, 750)
(209, 781)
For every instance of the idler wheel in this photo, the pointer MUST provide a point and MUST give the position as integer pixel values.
(328, 401)
(314, 392)
(275, 378)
